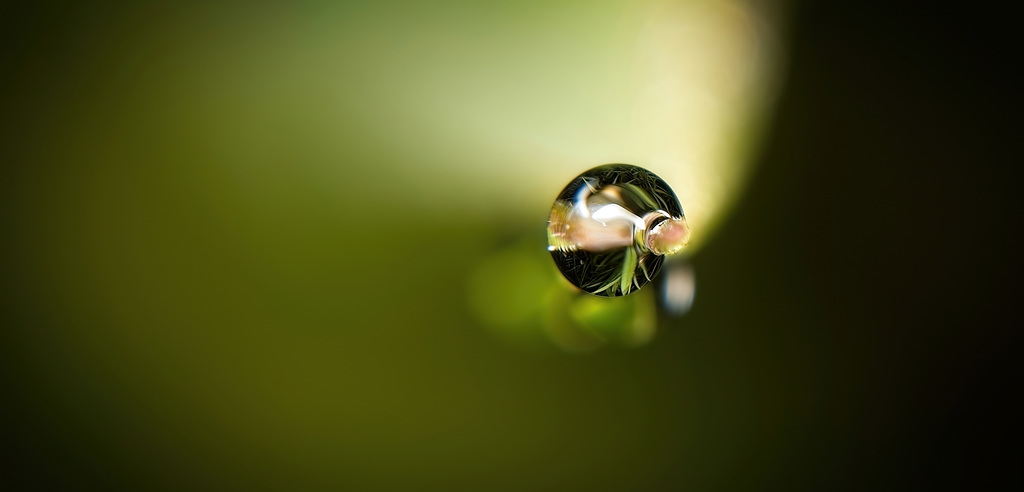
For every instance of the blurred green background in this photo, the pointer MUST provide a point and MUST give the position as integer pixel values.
(301, 246)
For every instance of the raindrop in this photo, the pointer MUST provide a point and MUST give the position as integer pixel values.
(610, 228)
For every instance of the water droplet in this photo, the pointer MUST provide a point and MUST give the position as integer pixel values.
(611, 226)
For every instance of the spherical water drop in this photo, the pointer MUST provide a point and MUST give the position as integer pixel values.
(610, 227)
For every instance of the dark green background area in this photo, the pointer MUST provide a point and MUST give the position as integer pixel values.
(854, 327)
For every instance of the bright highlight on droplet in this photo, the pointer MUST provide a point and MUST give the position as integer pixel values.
(611, 226)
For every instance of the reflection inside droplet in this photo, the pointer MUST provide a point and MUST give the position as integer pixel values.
(610, 227)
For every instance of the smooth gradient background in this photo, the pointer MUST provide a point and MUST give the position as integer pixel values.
(209, 281)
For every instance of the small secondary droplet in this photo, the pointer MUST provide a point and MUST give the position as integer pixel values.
(610, 227)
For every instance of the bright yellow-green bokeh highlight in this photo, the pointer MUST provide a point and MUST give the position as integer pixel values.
(269, 243)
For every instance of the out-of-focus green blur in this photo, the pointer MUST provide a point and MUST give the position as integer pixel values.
(258, 245)
(301, 245)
